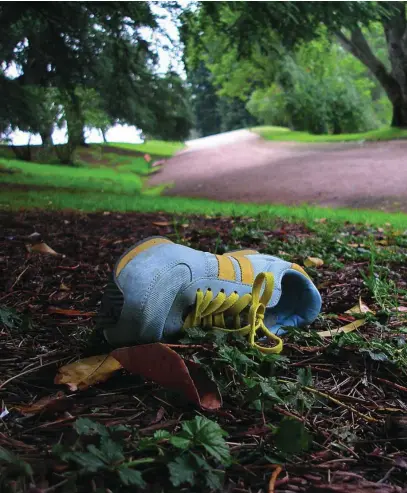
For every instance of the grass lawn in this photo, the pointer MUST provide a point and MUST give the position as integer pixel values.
(154, 147)
(102, 179)
(287, 135)
(327, 414)
(150, 201)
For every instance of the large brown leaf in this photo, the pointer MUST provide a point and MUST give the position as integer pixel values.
(159, 363)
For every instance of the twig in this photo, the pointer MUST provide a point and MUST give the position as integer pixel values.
(53, 488)
(392, 384)
(31, 370)
(342, 404)
(273, 479)
(336, 401)
(18, 278)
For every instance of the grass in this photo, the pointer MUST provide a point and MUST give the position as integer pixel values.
(287, 135)
(108, 180)
(95, 201)
(154, 147)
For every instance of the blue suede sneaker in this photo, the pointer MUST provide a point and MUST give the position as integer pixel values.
(160, 288)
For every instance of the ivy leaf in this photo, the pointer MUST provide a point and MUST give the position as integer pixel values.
(304, 377)
(213, 477)
(85, 426)
(88, 461)
(209, 435)
(131, 477)
(235, 358)
(162, 434)
(181, 442)
(110, 452)
(21, 467)
(181, 471)
(292, 437)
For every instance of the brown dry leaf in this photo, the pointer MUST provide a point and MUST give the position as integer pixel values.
(161, 223)
(346, 328)
(53, 403)
(162, 365)
(41, 248)
(313, 262)
(70, 313)
(358, 309)
(86, 372)
(382, 242)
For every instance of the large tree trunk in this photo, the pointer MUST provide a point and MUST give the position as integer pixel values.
(399, 118)
(394, 81)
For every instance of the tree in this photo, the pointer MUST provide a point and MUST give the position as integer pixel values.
(204, 101)
(74, 47)
(247, 24)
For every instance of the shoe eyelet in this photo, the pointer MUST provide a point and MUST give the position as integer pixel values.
(209, 289)
(222, 290)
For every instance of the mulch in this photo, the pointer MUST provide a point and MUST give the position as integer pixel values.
(42, 287)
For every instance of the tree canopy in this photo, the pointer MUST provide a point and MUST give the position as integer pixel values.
(257, 34)
(77, 47)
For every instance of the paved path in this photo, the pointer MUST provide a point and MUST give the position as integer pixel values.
(240, 166)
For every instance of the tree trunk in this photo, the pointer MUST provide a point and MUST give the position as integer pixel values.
(399, 118)
(46, 137)
(75, 122)
(104, 135)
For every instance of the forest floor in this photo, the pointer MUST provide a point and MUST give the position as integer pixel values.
(327, 415)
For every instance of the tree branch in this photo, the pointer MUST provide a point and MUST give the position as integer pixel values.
(358, 46)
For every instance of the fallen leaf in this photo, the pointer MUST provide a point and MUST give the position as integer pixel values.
(52, 403)
(159, 363)
(346, 328)
(70, 313)
(382, 242)
(161, 223)
(313, 262)
(86, 372)
(321, 220)
(64, 287)
(41, 248)
(360, 308)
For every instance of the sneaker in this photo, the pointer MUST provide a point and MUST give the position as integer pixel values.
(160, 288)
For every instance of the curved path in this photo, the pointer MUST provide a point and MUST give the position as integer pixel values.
(240, 166)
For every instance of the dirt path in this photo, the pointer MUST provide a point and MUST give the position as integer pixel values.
(242, 167)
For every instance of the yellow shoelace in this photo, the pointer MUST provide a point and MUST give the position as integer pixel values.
(209, 312)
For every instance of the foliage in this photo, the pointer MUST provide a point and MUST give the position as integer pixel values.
(97, 59)
(242, 45)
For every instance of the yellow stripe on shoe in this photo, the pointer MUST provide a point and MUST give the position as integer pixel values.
(226, 270)
(246, 268)
(300, 269)
(240, 253)
(141, 247)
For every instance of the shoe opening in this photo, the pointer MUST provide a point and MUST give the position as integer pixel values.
(299, 303)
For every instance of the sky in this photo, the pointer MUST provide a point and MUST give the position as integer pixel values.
(121, 133)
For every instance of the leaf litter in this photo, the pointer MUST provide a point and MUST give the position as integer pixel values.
(327, 415)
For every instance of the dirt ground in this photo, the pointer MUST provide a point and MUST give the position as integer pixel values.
(246, 168)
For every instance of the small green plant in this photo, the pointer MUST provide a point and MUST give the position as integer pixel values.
(383, 289)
